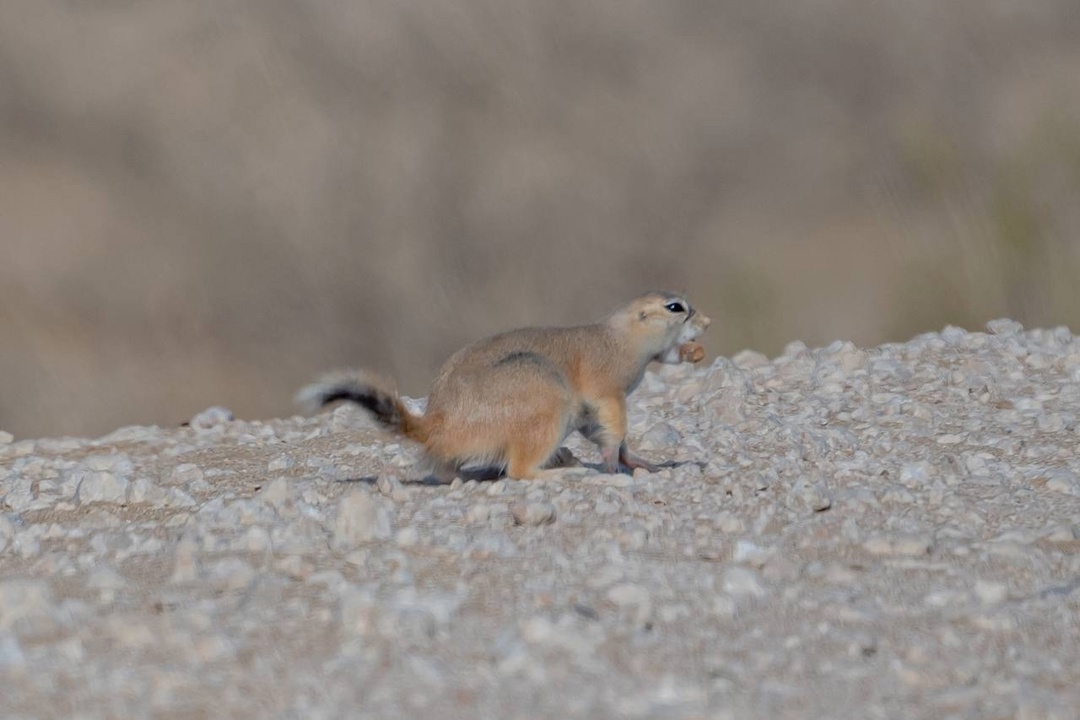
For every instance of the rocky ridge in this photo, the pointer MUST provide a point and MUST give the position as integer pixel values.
(838, 532)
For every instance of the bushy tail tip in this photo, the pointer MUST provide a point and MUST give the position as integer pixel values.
(368, 391)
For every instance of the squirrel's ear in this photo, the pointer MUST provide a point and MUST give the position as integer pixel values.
(642, 315)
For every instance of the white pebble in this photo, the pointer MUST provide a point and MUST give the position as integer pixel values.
(742, 582)
(533, 513)
(1062, 481)
(281, 462)
(25, 606)
(747, 553)
(211, 417)
(101, 486)
(990, 593)
(899, 545)
(360, 518)
(635, 598)
(407, 536)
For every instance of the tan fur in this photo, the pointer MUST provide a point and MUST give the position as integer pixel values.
(510, 400)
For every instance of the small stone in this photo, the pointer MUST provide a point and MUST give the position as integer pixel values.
(953, 335)
(839, 574)
(562, 634)
(672, 612)
(6, 438)
(1036, 704)
(1028, 406)
(478, 514)
(332, 579)
(131, 433)
(358, 609)
(360, 519)
(862, 645)
(424, 613)
(1062, 481)
(813, 495)
(177, 498)
(104, 577)
(22, 448)
(897, 494)
(747, 553)
(213, 648)
(633, 598)
(990, 593)
(145, 492)
(730, 524)
(185, 561)
(101, 486)
(25, 606)
(11, 654)
(724, 607)
(1050, 422)
(899, 545)
(850, 358)
(231, 573)
(295, 567)
(1060, 534)
(429, 672)
(186, 473)
(388, 485)
(277, 494)
(116, 463)
(1004, 326)
(8, 528)
(533, 513)
(660, 436)
(742, 582)
(256, 540)
(616, 480)
(407, 536)
(994, 620)
(633, 535)
(915, 475)
(749, 359)
(282, 462)
(211, 418)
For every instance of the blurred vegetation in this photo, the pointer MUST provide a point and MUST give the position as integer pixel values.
(1012, 250)
(209, 203)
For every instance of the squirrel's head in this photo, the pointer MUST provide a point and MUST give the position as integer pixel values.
(658, 321)
(690, 331)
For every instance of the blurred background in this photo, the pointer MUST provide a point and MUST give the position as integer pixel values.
(210, 202)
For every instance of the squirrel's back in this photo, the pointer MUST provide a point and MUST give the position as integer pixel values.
(580, 354)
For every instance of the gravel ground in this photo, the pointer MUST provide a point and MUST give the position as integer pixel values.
(892, 532)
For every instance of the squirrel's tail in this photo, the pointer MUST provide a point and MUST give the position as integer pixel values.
(371, 393)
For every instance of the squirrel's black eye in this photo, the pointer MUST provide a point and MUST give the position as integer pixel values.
(675, 307)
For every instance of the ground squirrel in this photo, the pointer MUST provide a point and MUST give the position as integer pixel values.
(510, 400)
